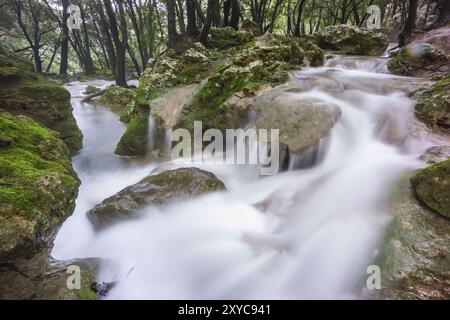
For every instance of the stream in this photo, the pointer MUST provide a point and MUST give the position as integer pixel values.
(314, 229)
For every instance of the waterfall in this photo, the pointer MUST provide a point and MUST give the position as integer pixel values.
(307, 233)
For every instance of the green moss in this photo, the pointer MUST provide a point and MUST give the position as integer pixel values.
(134, 140)
(24, 92)
(432, 186)
(433, 105)
(37, 183)
(117, 98)
(412, 255)
(417, 60)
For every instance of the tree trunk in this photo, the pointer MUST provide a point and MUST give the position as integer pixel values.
(410, 23)
(235, 14)
(171, 24)
(208, 22)
(120, 49)
(63, 64)
(191, 28)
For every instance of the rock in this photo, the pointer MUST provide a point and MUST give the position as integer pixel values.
(38, 185)
(433, 105)
(38, 188)
(36, 277)
(224, 38)
(429, 52)
(25, 92)
(91, 90)
(418, 60)
(170, 69)
(413, 256)
(134, 140)
(266, 61)
(251, 26)
(168, 107)
(352, 40)
(117, 98)
(436, 154)
(432, 185)
(302, 122)
(161, 189)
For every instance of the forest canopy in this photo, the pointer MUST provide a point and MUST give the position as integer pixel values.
(118, 37)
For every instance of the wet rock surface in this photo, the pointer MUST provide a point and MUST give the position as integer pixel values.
(160, 189)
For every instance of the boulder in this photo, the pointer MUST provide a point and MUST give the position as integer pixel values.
(426, 54)
(224, 38)
(436, 154)
(352, 40)
(117, 98)
(38, 188)
(161, 189)
(91, 90)
(25, 92)
(432, 185)
(413, 256)
(170, 69)
(418, 59)
(134, 140)
(302, 122)
(433, 106)
(264, 61)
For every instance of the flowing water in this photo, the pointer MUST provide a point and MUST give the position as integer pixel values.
(308, 232)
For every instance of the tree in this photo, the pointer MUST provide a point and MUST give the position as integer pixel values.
(119, 39)
(410, 23)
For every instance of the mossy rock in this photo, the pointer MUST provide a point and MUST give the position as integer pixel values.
(433, 105)
(134, 140)
(161, 189)
(170, 69)
(264, 61)
(413, 256)
(91, 90)
(38, 186)
(432, 186)
(352, 40)
(117, 98)
(419, 59)
(225, 38)
(25, 92)
(35, 276)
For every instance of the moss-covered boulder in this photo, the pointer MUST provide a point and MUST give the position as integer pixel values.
(250, 26)
(433, 105)
(38, 188)
(432, 187)
(160, 189)
(91, 90)
(36, 277)
(224, 38)
(25, 92)
(418, 60)
(352, 40)
(266, 60)
(117, 98)
(134, 140)
(170, 69)
(427, 54)
(413, 256)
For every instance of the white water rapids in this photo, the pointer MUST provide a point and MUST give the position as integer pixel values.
(312, 233)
